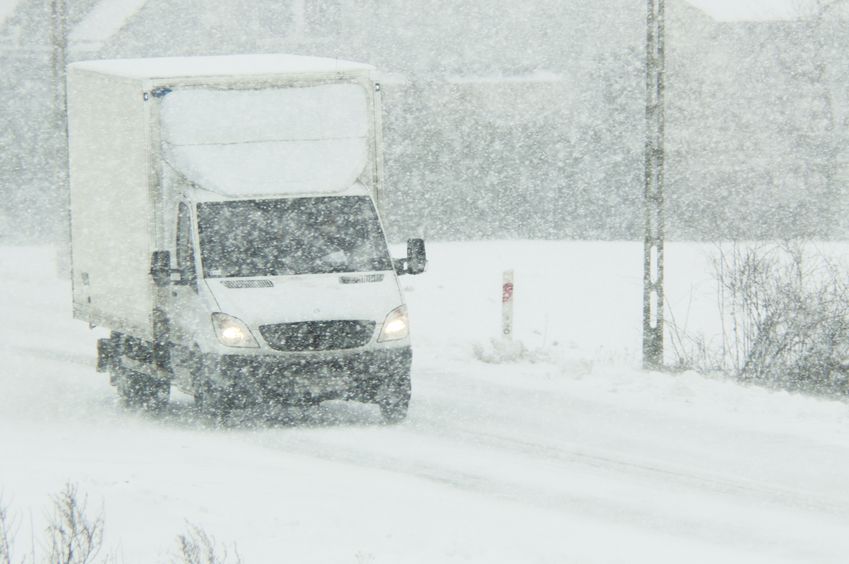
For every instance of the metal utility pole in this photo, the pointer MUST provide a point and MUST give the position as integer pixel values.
(58, 55)
(58, 61)
(653, 196)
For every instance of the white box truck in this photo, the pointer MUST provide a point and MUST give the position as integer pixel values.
(226, 228)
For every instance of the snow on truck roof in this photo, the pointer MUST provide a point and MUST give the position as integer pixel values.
(227, 65)
(755, 10)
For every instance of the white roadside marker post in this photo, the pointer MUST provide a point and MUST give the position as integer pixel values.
(507, 306)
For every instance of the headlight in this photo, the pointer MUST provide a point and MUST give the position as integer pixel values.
(395, 326)
(232, 332)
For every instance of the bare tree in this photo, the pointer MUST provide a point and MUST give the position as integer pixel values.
(6, 535)
(72, 536)
(196, 547)
(75, 537)
(785, 319)
(820, 37)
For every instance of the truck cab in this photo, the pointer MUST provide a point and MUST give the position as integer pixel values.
(292, 300)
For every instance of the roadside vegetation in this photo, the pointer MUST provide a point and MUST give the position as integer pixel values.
(784, 311)
(74, 535)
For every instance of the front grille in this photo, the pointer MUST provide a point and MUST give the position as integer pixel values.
(361, 279)
(317, 335)
(235, 284)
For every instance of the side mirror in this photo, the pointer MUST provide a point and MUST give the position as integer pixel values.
(416, 256)
(400, 266)
(160, 268)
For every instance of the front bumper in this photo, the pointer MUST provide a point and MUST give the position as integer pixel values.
(307, 377)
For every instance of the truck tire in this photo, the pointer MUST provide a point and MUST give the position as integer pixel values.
(393, 397)
(136, 389)
(213, 401)
(209, 399)
(139, 390)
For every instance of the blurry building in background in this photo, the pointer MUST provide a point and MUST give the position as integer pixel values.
(758, 130)
(509, 119)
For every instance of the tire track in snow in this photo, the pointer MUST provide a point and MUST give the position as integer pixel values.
(655, 469)
(611, 462)
(583, 505)
(525, 420)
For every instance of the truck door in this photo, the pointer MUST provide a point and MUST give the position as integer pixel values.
(185, 306)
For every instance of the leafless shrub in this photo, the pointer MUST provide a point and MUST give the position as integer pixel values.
(196, 547)
(691, 351)
(6, 535)
(785, 318)
(72, 536)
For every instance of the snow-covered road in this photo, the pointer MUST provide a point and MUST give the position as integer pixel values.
(568, 455)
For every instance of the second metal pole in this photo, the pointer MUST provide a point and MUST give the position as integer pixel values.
(653, 194)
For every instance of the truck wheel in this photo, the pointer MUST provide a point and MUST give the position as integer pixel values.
(213, 401)
(393, 398)
(141, 390)
(209, 398)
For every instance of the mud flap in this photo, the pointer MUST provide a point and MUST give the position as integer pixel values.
(105, 354)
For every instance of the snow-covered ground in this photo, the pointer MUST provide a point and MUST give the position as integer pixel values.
(570, 455)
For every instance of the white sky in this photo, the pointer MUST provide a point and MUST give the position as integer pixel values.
(104, 21)
(110, 15)
(753, 10)
(6, 9)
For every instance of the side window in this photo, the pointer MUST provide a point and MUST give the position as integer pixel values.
(185, 247)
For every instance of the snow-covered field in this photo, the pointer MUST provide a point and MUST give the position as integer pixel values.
(570, 455)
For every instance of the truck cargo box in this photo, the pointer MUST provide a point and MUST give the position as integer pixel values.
(128, 117)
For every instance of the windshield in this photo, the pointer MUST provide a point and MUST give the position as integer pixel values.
(291, 236)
